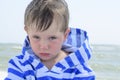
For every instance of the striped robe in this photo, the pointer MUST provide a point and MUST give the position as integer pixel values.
(27, 66)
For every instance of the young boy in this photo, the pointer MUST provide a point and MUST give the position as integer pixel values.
(52, 50)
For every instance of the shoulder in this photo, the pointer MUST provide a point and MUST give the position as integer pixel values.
(15, 68)
(19, 62)
(16, 61)
(17, 58)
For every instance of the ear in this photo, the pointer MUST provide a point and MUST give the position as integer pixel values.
(25, 28)
(66, 33)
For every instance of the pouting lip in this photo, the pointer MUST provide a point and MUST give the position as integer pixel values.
(44, 54)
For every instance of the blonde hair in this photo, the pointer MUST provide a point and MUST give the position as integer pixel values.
(41, 13)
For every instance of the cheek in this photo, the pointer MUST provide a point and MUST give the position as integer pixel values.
(34, 46)
(56, 45)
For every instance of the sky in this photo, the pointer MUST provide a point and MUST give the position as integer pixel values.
(100, 18)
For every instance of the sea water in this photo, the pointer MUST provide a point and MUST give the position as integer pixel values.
(105, 59)
(106, 62)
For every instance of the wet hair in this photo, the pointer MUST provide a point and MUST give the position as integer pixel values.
(41, 13)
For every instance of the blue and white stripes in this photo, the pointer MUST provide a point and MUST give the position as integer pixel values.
(27, 66)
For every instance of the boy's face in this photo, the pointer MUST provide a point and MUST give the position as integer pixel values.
(47, 44)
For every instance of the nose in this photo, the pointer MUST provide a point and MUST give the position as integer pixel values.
(43, 44)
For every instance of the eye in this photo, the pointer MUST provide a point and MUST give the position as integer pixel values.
(36, 37)
(52, 38)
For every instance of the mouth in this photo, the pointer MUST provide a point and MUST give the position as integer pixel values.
(44, 54)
